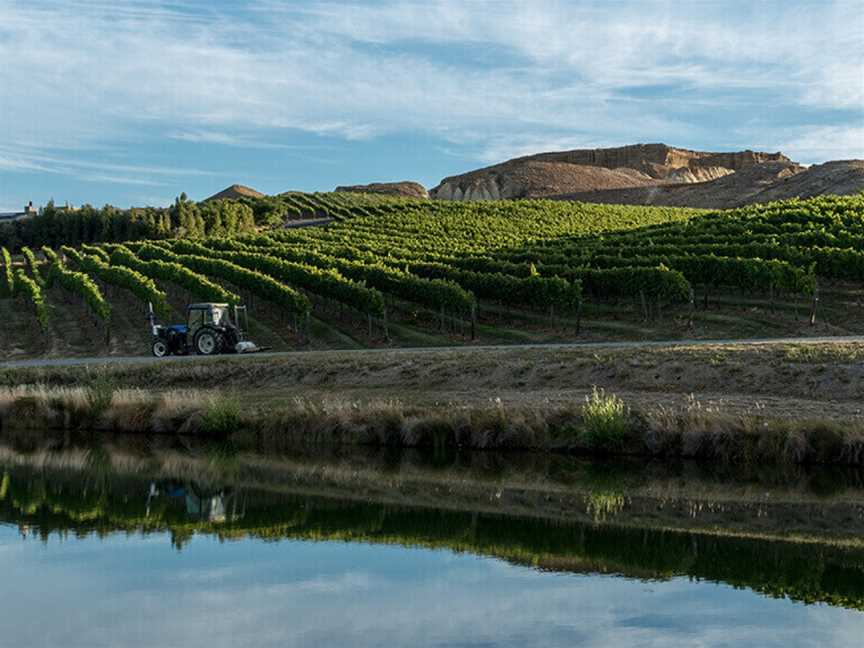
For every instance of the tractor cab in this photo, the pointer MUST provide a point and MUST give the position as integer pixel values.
(199, 315)
(210, 329)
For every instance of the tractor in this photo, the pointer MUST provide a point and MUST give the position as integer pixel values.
(209, 330)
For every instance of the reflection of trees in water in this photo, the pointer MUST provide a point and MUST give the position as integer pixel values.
(64, 502)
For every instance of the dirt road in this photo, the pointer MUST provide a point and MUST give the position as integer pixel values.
(69, 362)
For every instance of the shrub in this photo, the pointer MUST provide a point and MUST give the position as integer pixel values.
(605, 421)
(222, 416)
(100, 394)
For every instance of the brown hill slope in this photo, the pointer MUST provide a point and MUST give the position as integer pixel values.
(759, 183)
(405, 188)
(235, 192)
(639, 165)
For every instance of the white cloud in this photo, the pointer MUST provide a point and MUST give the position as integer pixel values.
(490, 78)
(810, 145)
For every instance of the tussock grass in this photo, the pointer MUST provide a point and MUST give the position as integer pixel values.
(605, 421)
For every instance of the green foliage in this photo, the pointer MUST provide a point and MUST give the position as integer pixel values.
(7, 287)
(55, 226)
(28, 288)
(78, 283)
(99, 395)
(256, 282)
(326, 282)
(605, 421)
(138, 284)
(222, 417)
(175, 273)
(33, 264)
(444, 255)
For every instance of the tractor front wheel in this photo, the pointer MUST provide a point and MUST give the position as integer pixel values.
(207, 342)
(159, 348)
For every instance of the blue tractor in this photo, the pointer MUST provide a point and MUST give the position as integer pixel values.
(209, 330)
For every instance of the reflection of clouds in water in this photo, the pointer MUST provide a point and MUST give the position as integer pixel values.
(297, 594)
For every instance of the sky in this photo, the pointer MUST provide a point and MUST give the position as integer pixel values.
(133, 102)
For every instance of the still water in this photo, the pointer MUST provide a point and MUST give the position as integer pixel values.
(139, 544)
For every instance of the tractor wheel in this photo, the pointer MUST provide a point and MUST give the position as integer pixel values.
(159, 348)
(207, 342)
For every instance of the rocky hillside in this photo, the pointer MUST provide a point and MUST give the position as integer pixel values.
(405, 188)
(654, 174)
(760, 183)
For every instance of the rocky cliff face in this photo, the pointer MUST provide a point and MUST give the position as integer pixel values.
(579, 171)
(405, 188)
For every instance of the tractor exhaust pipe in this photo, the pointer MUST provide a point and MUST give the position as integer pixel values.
(151, 317)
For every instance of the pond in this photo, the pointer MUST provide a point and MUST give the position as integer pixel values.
(165, 542)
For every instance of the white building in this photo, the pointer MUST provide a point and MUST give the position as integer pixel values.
(9, 217)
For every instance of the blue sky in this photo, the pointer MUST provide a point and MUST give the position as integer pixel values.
(132, 102)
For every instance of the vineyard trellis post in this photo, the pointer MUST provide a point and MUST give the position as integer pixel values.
(692, 303)
(814, 304)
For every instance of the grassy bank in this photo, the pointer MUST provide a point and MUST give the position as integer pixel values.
(601, 424)
(828, 371)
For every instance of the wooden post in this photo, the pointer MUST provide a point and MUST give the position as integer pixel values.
(692, 308)
(644, 306)
(386, 327)
(814, 304)
(579, 318)
(473, 321)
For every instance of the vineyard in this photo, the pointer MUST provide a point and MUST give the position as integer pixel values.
(394, 271)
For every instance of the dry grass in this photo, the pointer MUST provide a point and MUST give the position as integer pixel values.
(38, 407)
(602, 424)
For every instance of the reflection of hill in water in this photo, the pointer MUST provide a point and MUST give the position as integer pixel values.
(76, 492)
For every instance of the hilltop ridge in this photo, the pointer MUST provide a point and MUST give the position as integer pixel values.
(235, 192)
(654, 174)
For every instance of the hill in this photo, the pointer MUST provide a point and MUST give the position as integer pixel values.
(760, 183)
(391, 271)
(235, 192)
(654, 174)
(406, 189)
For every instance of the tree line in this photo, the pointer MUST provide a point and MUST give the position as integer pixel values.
(63, 225)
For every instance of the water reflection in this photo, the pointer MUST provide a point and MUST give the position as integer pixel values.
(795, 537)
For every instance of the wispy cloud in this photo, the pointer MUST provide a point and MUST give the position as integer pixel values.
(90, 171)
(486, 79)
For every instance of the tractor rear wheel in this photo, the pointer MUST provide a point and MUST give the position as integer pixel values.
(159, 348)
(207, 342)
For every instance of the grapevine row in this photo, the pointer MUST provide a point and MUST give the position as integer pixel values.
(257, 283)
(77, 283)
(174, 273)
(143, 287)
